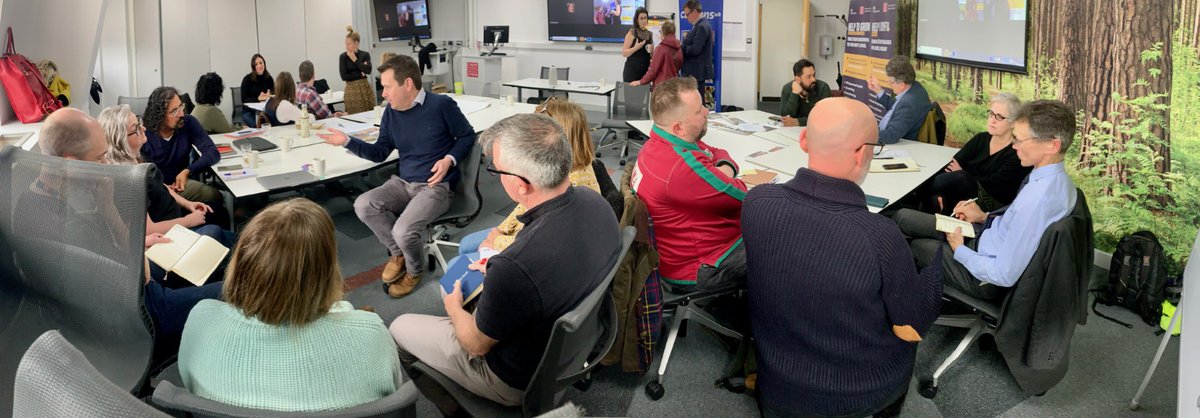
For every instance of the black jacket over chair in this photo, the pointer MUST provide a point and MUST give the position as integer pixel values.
(1037, 320)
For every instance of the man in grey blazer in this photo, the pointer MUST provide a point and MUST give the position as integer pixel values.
(907, 110)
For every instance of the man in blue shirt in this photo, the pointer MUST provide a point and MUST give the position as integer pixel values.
(431, 135)
(1008, 237)
(171, 136)
(906, 112)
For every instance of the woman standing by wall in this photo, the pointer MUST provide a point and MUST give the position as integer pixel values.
(354, 66)
(637, 47)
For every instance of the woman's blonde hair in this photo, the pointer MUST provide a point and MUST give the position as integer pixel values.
(284, 269)
(575, 124)
(387, 56)
(114, 120)
(351, 34)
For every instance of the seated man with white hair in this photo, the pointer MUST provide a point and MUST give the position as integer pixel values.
(836, 323)
(560, 257)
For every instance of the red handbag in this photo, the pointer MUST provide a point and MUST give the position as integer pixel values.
(30, 98)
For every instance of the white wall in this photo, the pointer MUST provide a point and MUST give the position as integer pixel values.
(147, 47)
(531, 49)
(113, 69)
(65, 31)
(232, 31)
(827, 67)
(185, 44)
(782, 43)
(325, 30)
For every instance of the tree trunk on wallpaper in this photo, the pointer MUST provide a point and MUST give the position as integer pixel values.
(1114, 65)
(977, 86)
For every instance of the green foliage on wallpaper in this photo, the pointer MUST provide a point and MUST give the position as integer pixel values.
(1166, 204)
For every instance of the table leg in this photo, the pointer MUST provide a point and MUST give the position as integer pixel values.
(520, 95)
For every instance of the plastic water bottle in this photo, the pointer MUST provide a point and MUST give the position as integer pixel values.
(553, 76)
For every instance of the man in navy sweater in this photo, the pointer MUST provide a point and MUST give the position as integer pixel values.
(171, 135)
(837, 321)
(431, 135)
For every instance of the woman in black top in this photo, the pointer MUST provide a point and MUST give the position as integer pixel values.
(986, 167)
(256, 87)
(637, 47)
(354, 65)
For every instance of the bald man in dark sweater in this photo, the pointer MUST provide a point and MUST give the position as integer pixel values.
(836, 325)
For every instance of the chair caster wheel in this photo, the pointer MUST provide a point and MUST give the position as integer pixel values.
(654, 390)
(597, 154)
(622, 163)
(928, 390)
(583, 385)
(444, 237)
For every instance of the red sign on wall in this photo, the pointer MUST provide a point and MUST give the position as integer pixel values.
(472, 70)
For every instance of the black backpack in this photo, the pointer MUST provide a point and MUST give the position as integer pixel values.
(1137, 278)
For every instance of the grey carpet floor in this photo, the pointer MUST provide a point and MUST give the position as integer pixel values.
(1106, 366)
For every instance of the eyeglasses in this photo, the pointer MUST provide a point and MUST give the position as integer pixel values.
(544, 108)
(176, 111)
(138, 128)
(1016, 141)
(491, 169)
(998, 117)
(878, 147)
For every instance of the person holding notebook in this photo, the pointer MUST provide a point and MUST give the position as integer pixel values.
(70, 134)
(546, 272)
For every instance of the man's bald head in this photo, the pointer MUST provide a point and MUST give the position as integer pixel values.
(70, 133)
(837, 129)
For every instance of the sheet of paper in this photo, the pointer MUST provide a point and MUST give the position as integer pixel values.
(201, 261)
(892, 154)
(947, 224)
(468, 107)
(167, 254)
(347, 126)
(751, 127)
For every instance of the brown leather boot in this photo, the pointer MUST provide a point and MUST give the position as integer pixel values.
(404, 286)
(393, 270)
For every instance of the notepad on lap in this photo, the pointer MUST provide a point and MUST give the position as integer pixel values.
(472, 281)
(190, 255)
(947, 224)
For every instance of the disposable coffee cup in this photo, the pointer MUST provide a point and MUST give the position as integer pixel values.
(252, 156)
(286, 143)
(510, 99)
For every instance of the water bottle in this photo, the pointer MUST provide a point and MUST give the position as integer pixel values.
(553, 76)
(304, 122)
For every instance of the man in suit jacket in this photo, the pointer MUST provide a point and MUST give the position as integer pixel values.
(907, 110)
(697, 47)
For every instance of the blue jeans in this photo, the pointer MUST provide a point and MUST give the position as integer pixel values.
(250, 117)
(469, 245)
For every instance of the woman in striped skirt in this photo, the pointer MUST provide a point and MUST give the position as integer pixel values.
(354, 66)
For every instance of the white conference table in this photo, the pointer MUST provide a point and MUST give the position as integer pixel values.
(565, 86)
(330, 98)
(339, 162)
(775, 151)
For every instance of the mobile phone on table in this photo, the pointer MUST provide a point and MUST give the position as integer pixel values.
(897, 166)
(776, 118)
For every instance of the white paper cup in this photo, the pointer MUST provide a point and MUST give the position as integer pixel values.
(252, 156)
(318, 166)
(510, 99)
(603, 82)
(286, 143)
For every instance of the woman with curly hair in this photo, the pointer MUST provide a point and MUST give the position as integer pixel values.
(209, 89)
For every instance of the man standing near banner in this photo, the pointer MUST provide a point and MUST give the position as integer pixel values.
(697, 47)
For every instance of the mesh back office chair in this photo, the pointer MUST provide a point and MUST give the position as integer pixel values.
(73, 235)
(401, 403)
(188, 105)
(468, 201)
(236, 116)
(137, 104)
(564, 74)
(1072, 235)
(54, 379)
(579, 340)
(632, 103)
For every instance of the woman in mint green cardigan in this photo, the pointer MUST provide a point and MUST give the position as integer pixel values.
(282, 339)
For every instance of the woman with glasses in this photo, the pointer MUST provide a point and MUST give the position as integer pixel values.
(574, 123)
(125, 135)
(986, 167)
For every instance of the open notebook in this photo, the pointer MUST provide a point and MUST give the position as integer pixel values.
(947, 224)
(190, 255)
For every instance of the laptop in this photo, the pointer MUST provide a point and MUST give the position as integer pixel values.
(257, 143)
(285, 180)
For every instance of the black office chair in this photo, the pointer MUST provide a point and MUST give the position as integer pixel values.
(468, 201)
(62, 272)
(321, 86)
(579, 340)
(188, 105)
(1036, 367)
(632, 103)
(236, 116)
(54, 379)
(564, 74)
(401, 403)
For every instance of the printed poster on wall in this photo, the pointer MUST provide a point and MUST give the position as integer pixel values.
(870, 43)
(712, 10)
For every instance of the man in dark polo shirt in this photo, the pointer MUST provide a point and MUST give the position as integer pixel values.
(569, 242)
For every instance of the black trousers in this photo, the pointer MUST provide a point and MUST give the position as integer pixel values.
(925, 242)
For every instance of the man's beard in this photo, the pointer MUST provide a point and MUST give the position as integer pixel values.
(810, 89)
(703, 131)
